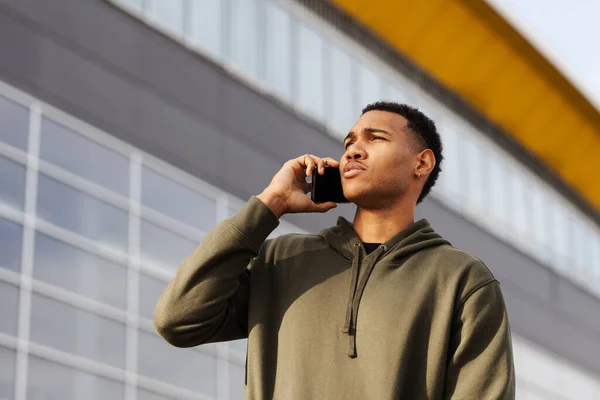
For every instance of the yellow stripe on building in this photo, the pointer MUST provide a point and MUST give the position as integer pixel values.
(469, 48)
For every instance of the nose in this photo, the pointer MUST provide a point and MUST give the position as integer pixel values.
(355, 153)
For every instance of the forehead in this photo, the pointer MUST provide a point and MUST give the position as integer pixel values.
(389, 121)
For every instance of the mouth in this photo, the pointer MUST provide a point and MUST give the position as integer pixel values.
(353, 169)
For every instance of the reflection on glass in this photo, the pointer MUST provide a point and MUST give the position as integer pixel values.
(75, 331)
(9, 307)
(310, 74)
(370, 86)
(279, 51)
(12, 184)
(244, 36)
(206, 28)
(343, 113)
(7, 372)
(81, 213)
(78, 271)
(84, 157)
(150, 290)
(48, 380)
(10, 245)
(159, 360)
(178, 201)
(168, 13)
(162, 247)
(14, 123)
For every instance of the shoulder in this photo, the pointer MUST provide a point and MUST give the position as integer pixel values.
(467, 271)
(290, 244)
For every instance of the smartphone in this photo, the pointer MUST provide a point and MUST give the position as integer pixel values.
(327, 187)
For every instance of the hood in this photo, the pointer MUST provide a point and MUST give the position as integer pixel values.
(343, 239)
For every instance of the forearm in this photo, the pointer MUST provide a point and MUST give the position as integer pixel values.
(207, 298)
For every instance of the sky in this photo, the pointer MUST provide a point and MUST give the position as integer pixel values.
(566, 32)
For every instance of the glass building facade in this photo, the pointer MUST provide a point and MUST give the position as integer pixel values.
(88, 241)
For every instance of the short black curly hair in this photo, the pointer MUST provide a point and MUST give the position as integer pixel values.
(424, 131)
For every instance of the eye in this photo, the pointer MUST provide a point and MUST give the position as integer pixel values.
(348, 144)
(377, 137)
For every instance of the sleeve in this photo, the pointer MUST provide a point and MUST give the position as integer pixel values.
(480, 362)
(207, 300)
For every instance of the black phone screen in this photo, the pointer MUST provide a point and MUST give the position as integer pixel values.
(327, 187)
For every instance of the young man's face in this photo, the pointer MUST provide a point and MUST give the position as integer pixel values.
(385, 155)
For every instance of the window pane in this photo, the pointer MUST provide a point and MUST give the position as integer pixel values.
(244, 36)
(10, 245)
(519, 202)
(178, 201)
(310, 72)
(14, 123)
(150, 290)
(169, 14)
(279, 53)
(84, 157)
(451, 179)
(12, 184)
(51, 381)
(343, 114)
(560, 237)
(475, 179)
(73, 330)
(187, 368)
(399, 95)
(370, 86)
(240, 345)
(162, 247)
(205, 32)
(9, 308)
(540, 216)
(498, 179)
(7, 373)
(76, 270)
(237, 378)
(147, 395)
(81, 213)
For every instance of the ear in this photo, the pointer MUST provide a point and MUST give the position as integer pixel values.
(425, 163)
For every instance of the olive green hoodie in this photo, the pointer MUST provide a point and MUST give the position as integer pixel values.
(415, 319)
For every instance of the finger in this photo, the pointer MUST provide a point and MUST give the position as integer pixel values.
(323, 207)
(321, 165)
(310, 165)
(331, 162)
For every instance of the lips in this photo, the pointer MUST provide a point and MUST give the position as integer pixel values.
(352, 166)
(353, 169)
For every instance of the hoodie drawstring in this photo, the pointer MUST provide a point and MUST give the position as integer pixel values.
(355, 295)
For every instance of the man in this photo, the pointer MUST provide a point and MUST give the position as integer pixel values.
(381, 308)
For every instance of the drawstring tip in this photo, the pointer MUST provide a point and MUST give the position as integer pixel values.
(352, 346)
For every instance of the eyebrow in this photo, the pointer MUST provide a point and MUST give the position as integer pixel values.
(368, 130)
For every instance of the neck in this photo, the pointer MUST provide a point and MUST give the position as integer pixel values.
(379, 225)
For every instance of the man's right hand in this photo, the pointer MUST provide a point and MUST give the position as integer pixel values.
(286, 194)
